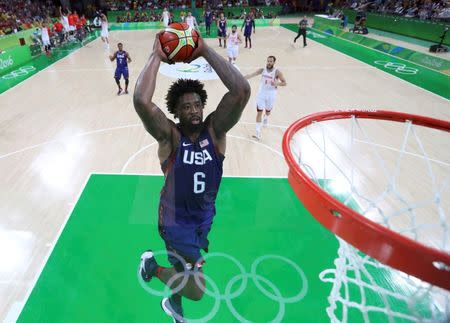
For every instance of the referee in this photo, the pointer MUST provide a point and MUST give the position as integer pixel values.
(302, 30)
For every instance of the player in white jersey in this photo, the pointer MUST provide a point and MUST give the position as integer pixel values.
(191, 21)
(104, 33)
(45, 38)
(65, 23)
(271, 79)
(233, 41)
(165, 17)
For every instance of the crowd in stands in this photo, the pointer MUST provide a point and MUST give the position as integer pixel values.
(421, 9)
(145, 11)
(139, 17)
(16, 15)
(183, 4)
(58, 34)
(143, 16)
(47, 32)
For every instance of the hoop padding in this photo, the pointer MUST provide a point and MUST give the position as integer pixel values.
(391, 248)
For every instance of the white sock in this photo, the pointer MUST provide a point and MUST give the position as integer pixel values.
(258, 127)
(265, 119)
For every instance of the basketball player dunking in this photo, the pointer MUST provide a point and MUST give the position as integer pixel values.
(122, 58)
(191, 154)
(271, 79)
(233, 44)
(222, 30)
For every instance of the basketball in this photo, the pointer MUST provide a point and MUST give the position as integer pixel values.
(178, 41)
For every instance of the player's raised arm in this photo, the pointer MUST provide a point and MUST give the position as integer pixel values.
(113, 57)
(258, 72)
(153, 118)
(233, 103)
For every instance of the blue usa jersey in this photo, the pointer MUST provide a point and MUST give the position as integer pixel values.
(222, 24)
(249, 25)
(208, 18)
(192, 179)
(121, 58)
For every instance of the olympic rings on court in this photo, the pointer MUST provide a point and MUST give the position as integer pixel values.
(255, 278)
(24, 70)
(398, 67)
(271, 291)
(241, 269)
(302, 275)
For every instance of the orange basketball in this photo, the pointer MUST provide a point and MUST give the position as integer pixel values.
(178, 41)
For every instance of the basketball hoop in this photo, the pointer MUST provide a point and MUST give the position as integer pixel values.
(402, 247)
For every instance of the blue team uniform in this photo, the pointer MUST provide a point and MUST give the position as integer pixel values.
(187, 206)
(222, 30)
(208, 18)
(249, 24)
(122, 65)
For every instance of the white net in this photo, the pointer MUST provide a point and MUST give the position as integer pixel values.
(397, 175)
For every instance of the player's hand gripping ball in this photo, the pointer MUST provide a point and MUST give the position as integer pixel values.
(178, 41)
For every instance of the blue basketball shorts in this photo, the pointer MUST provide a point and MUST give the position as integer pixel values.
(186, 242)
(121, 71)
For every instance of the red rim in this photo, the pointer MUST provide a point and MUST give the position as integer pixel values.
(388, 247)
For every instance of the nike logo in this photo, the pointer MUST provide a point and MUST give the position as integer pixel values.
(185, 144)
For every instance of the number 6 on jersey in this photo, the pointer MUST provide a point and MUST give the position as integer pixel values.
(199, 186)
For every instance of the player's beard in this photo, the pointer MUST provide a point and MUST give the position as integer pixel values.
(194, 126)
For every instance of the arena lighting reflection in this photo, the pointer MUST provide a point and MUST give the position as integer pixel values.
(15, 250)
(58, 163)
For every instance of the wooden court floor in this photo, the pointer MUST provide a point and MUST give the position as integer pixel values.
(67, 122)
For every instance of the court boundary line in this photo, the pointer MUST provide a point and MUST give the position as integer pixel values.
(133, 156)
(379, 69)
(148, 174)
(437, 161)
(81, 134)
(142, 149)
(74, 51)
(21, 305)
(379, 51)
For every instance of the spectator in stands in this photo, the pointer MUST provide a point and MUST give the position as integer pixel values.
(85, 23)
(58, 27)
(19, 14)
(422, 9)
(137, 16)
